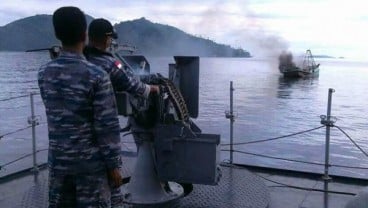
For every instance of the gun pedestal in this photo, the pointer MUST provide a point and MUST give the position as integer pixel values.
(170, 146)
(144, 188)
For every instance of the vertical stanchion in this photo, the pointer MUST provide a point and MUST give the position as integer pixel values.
(326, 120)
(32, 120)
(231, 121)
(230, 115)
(328, 124)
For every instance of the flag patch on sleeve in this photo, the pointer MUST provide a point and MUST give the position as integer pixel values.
(118, 64)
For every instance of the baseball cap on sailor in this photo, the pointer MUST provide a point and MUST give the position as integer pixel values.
(100, 28)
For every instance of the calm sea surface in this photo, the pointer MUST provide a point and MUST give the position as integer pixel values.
(265, 104)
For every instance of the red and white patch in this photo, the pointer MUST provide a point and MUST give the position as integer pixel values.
(118, 64)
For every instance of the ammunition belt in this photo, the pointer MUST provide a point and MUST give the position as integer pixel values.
(177, 99)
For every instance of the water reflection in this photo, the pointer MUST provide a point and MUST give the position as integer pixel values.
(287, 86)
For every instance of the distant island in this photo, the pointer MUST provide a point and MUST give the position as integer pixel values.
(149, 38)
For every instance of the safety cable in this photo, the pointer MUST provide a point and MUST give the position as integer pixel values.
(275, 138)
(282, 185)
(20, 96)
(277, 158)
(351, 167)
(12, 98)
(19, 130)
(352, 140)
(293, 160)
(30, 154)
(16, 131)
(295, 187)
(13, 108)
(305, 188)
(20, 158)
(306, 195)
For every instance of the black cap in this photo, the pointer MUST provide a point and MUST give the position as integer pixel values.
(100, 28)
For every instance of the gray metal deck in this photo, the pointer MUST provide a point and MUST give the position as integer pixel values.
(243, 187)
(237, 188)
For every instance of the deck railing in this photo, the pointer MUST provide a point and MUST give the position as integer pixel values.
(33, 121)
(327, 121)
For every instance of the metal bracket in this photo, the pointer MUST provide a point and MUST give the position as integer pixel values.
(326, 178)
(229, 115)
(328, 121)
(33, 120)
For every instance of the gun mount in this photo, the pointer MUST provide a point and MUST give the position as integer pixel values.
(171, 147)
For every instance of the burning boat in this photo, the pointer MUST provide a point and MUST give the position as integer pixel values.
(288, 68)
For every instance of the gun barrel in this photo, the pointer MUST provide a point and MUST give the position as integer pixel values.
(39, 49)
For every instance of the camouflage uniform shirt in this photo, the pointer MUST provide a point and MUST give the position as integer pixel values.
(81, 114)
(122, 80)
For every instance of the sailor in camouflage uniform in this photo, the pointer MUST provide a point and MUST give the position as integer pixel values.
(84, 139)
(100, 34)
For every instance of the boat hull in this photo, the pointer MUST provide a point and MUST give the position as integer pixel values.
(299, 73)
(288, 68)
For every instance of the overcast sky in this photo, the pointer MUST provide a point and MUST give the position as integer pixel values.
(331, 27)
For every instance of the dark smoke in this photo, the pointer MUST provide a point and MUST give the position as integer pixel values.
(286, 61)
(251, 34)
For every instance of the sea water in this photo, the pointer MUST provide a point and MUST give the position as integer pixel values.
(266, 106)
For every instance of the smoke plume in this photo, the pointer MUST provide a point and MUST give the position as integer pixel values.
(251, 34)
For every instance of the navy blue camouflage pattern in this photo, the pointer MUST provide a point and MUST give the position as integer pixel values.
(81, 115)
(122, 80)
(87, 191)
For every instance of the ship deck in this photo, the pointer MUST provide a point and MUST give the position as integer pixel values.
(242, 186)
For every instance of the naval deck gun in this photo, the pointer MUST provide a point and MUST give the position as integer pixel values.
(173, 153)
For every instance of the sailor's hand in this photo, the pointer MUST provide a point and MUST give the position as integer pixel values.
(154, 89)
(115, 178)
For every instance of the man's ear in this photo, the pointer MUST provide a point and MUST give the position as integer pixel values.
(107, 41)
(84, 38)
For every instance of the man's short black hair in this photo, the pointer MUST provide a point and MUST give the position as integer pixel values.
(70, 25)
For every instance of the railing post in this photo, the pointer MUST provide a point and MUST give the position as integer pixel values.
(329, 123)
(230, 115)
(33, 121)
